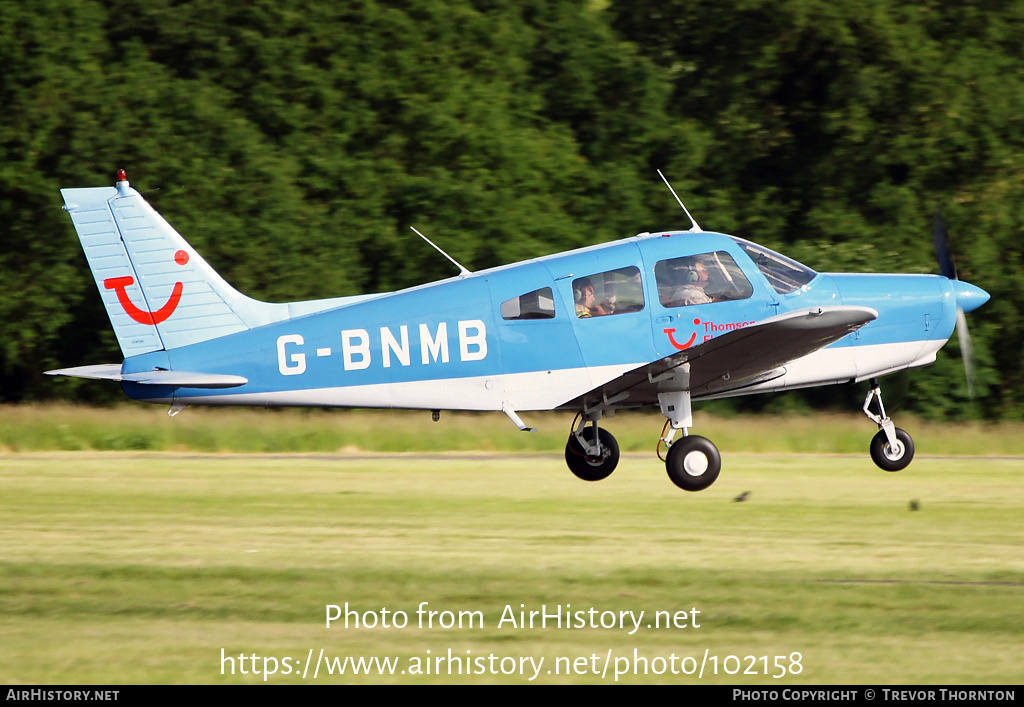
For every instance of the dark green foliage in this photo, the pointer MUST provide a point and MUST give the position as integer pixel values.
(838, 128)
(294, 145)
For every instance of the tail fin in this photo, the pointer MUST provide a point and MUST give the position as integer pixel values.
(158, 292)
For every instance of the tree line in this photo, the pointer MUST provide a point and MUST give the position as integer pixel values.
(294, 145)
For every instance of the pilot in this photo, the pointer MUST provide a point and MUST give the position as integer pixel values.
(695, 279)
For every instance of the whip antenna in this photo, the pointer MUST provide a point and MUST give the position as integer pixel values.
(462, 270)
(695, 228)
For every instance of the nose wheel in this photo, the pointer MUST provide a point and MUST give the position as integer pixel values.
(892, 457)
(892, 449)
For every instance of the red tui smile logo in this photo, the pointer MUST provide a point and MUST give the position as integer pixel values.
(688, 344)
(120, 285)
(710, 330)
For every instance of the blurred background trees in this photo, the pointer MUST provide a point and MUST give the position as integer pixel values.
(294, 145)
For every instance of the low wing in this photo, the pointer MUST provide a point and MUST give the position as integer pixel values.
(189, 379)
(734, 360)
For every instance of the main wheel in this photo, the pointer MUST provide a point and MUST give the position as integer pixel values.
(892, 458)
(693, 463)
(592, 468)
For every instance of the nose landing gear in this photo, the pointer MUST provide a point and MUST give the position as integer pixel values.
(892, 449)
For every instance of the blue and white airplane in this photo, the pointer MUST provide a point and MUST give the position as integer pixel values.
(661, 318)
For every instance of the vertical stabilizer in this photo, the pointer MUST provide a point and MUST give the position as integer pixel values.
(158, 292)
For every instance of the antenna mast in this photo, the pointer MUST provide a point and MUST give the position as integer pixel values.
(693, 229)
(462, 271)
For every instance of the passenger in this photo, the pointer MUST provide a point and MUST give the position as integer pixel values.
(583, 293)
(586, 306)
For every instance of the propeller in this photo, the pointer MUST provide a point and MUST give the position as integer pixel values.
(966, 294)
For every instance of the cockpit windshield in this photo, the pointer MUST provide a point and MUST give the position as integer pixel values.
(784, 274)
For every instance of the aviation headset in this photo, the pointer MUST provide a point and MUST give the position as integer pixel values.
(577, 290)
(691, 274)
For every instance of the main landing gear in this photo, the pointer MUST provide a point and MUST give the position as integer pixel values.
(693, 463)
(892, 449)
(591, 452)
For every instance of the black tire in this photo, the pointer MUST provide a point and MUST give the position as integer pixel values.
(888, 459)
(592, 468)
(693, 463)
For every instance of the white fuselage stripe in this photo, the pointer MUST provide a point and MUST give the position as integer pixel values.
(546, 390)
(536, 390)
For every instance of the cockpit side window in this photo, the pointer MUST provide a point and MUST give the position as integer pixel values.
(539, 304)
(613, 292)
(784, 274)
(700, 279)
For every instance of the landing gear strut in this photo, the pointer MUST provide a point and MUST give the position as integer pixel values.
(693, 463)
(892, 449)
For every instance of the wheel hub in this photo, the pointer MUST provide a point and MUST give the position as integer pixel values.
(695, 463)
(894, 453)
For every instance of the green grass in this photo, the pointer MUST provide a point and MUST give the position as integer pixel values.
(138, 427)
(140, 567)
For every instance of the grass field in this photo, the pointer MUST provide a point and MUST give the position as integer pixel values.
(139, 427)
(141, 567)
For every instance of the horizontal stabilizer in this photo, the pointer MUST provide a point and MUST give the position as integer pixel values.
(187, 379)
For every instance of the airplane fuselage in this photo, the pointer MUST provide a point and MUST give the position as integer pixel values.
(447, 345)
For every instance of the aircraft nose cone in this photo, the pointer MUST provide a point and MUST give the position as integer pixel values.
(968, 296)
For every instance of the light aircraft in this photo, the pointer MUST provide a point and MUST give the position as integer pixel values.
(662, 318)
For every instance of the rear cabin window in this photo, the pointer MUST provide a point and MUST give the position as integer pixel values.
(700, 279)
(612, 292)
(539, 304)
